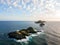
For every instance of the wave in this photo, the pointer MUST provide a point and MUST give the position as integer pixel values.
(29, 38)
(34, 39)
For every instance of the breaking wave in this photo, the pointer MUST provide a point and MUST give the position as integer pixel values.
(28, 38)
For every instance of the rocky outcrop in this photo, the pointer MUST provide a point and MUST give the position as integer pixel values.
(21, 34)
(31, 30)
(42, 23)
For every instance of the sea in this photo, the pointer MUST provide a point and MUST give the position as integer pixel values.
(10, 26)
(52, 31)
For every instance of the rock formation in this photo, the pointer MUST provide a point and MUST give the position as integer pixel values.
(21, 34)
(39, 21)
(42, 23)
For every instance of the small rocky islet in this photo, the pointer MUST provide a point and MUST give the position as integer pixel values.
(42, 23)
(21, 34)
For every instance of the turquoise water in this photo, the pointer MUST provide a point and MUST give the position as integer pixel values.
(9, 26)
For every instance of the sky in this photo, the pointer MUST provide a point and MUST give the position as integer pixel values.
(29, 10)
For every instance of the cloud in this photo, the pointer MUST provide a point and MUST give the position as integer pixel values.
(35, 2)
(26, 1)
(40, 9)
(30, 5)
(15, 4)
(20, 3)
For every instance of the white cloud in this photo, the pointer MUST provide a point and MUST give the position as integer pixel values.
(28, 8)
(47, 8)
(26, 1)
(3, 1)
(19, 7)
(15, 4)
(35, 2)
(8, 2)
(10, 7)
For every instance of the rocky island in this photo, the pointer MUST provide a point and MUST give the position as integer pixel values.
(21, 34)
(42, 23)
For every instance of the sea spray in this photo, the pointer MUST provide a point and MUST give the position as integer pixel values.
(28, 38)
(24, 41)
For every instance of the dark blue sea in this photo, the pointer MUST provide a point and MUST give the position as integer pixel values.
(9, 26)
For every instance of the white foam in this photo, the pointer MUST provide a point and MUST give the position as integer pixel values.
(22, 40)
(17, 30)
(28, 37)
(17, 40)
(35, 30)
(33, 35)
(38, 33)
